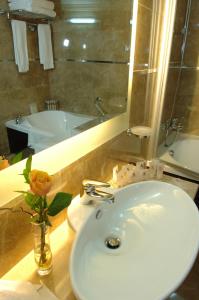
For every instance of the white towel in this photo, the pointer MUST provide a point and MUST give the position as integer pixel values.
(45, 46)
(20, 45)
(37, 3)
(27, 6)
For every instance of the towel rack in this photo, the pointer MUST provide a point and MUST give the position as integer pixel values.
(22, 15)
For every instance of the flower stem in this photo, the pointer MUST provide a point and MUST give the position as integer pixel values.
(42, 259)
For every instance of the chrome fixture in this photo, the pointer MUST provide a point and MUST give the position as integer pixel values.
(112, 242)
(175, 125)
(18, 119)
(52, 104)
(90, 190)
(98, 104)
(171, 153)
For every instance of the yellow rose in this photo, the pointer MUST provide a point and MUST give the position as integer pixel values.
(40, 182)
(3, 163)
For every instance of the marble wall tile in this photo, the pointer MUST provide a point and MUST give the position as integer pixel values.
(143, 35)
(76, 86)
(180, 16)
(172, 79)
(138, 99)
(147, 3)
(192, 49)
(187, 101)
(192, 45)
(194, 13)
(189, 84)
(105, 40)
(176, 49)
(140, 78)
(182, 98)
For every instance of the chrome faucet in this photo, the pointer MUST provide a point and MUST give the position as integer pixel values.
(18, 119)
(90, 192)
(98, 104)
(173, 125)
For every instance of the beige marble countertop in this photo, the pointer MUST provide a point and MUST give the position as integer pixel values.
(59, 280)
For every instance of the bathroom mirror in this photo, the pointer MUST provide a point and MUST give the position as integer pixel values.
(89, 83)
(65, 152)
(179, 133)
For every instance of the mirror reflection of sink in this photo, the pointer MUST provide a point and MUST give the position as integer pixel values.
(141, 247)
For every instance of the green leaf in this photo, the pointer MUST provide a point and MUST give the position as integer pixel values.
(18, 157)
(33, 201)
(27, 170)
(61, 201)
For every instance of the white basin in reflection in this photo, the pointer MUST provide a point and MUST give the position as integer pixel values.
(158, 225)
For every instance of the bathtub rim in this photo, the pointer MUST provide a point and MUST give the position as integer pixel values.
(172, 165)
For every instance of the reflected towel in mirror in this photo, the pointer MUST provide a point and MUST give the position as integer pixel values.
(20, 45)
(45, 46)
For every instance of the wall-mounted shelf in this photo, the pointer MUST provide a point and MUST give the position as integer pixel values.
(22, 15)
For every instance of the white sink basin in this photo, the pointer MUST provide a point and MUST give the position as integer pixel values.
(158, 226)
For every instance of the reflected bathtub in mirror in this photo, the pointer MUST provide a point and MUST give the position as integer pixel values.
(44, 129)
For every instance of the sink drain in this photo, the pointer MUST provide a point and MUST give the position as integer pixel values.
(112, 242)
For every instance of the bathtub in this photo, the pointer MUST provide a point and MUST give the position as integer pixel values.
(47, 128)
(183, 153)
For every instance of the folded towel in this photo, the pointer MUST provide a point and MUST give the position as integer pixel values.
(37, 3)
(45, 46)
(20, 45)
(27, 6)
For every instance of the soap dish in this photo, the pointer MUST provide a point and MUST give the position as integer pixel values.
(140, 131)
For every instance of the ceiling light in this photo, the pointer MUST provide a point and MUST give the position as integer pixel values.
(82, 20)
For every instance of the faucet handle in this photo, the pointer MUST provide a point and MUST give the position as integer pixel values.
(98, 100)
(91, 185)
(18, 119)
(87, 183)
(90, 191)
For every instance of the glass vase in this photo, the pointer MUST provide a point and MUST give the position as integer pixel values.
(42, 251)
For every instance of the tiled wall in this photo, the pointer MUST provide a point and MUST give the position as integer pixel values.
(74, 84)
(77, 84)
(187, 102)
(141, 74)
(182, 90)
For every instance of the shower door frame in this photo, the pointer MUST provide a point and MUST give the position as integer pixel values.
(159, 87)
